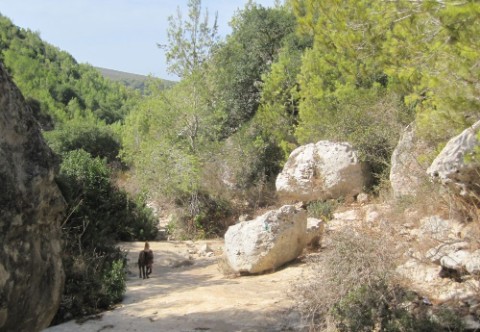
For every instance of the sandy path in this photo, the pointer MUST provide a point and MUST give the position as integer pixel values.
(197, 297)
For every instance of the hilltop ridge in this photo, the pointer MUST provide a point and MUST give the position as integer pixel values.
(135, 81)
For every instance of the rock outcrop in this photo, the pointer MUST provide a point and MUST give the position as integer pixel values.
(407, 173)
(267, 242)
(451, 168)
(315, 230)
(321, 171)
(31, 208)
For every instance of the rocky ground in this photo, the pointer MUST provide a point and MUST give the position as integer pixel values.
(188, 292)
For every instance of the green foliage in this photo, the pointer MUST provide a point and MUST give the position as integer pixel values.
(171, 136)
(114, 282)
(134, 81)
(167, 140)
(322, 210)
(421, 51)
(278, 111)
(190, 41)
(94, 281)
(346, 58)
(248, 52)
(99, 211)
(433, 56)
(99, 216)
(378, 65)
(87, 133)
(55, 79)
(260, 158)
(208, 222)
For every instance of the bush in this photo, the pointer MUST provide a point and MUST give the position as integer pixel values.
(114, 282)
(99, 210)
(382, 307)
(95, 279)
(87, 134)
(322, 210)
(353, 289)
(206, 221)
(100, 215)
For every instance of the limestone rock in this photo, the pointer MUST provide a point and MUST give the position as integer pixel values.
(204, 249)
(375, 213)
(344, 219)
(419, 272)
(438, 228)
(472, 263)
(471, 323)
(321, 171)
(455, 260)
(425, 279)
(362, 198)
(450, 167)
(31, 208)
(442, 250)
(266, 242)
(315, 228)
(407, 173)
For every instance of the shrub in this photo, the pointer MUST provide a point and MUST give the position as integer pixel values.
(87, 134)
(321, 210)
(206, 221)
(353, 288)
(100, 215)
(114, 282)
(95, 279)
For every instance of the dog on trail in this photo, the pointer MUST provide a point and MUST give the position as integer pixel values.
(145, 262)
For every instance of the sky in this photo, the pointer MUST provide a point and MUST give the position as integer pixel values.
(114, 34)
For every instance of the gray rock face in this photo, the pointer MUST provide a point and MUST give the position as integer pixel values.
(407, 172)
(321, 171)
(267, 242)
(450, 167)
(31, 208)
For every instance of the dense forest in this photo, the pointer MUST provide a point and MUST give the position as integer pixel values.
(210, 146)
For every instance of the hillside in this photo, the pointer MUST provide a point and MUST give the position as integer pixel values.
(131, 80)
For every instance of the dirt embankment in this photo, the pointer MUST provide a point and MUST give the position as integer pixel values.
(185, 294)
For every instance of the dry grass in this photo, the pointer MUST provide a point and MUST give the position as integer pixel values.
(350, 260)
(364, 256)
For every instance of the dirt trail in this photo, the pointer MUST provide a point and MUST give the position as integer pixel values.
(197, 297)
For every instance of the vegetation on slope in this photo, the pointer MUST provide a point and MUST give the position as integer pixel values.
(81, 115)
(134, 81)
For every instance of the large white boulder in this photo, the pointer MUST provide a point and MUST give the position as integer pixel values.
(321, 171)
(451, 168)
(267, 242)
(407, 172)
